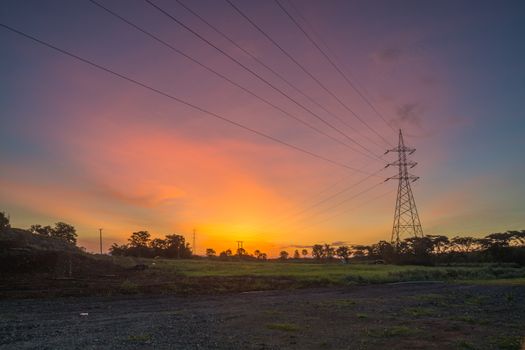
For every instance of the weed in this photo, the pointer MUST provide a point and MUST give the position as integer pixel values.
(390, 332)
(508, 342)
(361, 316)
(341, 303)
(140, 337)
(128, 287)
(286, 327)
(465, 345)
(419, 311)
(469, 319)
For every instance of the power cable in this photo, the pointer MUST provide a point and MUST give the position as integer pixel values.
(286, 53)
(173, 18)
(145, 86)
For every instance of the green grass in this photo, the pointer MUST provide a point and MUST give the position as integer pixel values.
(419, 311)
(139, 337)
(339, 273)
(285, 327)
(391, 332)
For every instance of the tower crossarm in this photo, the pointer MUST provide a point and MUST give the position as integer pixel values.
(405, 149)
(408, 163)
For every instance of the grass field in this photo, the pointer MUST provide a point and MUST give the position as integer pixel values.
(337, 273)
(202, 276)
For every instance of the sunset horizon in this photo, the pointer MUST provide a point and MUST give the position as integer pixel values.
(97, 151)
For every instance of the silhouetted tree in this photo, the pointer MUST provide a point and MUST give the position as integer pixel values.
(440, 243)
(296, 254)
(304, 252)
(41, 230)
(263, 256)
(139, 239)
(65, 232)
(317, 251)
(158, 246)
(283, 255)
(241, 251)
(4, 222)
(225, 254)
(177, 247)
(119, 250)
(463, 244)
(328, 251)
(359, 251)
(210, 253)
(343, 252)
(257, 253)
(518, 237)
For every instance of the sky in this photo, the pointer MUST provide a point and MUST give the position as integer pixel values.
(80, 145)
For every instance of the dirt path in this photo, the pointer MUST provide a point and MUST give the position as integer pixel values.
(403, 316)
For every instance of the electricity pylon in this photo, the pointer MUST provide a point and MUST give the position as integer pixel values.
(406, 218)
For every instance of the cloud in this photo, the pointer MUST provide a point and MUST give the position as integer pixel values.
(340, 243)
(410, 113)
(387, 55)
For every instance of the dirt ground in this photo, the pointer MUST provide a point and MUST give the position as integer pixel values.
(398, 316)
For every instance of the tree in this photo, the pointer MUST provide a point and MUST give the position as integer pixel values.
(65, 232)
(304, 252)
(328, 251)
(463, 244)
(358, 250)
(41, 230)
(296, 254)
(497, 240)
(177, 247)
(139, 239)
(263, 256)
(440, 243)
(159, 246)
(283, 255)
(118, 250)
(241, 251)
(257, 253)
(225, 254)
(210, 253)
(317, 251)
(4, 222)
(343, 252)
(518, 237)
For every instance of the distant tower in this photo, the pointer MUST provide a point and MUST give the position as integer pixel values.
(100, 236)
(194, 246)
(240, 247)
(406, 218)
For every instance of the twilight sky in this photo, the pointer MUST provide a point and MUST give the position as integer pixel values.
(82, 146)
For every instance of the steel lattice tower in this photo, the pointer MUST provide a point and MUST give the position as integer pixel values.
(406, 218)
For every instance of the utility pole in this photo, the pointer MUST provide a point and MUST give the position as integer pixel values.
(406, 217)
(240, 248)
(194, 246)
(100, 233)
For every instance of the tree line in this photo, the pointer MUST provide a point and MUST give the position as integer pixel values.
(140, 244)
(431, 249)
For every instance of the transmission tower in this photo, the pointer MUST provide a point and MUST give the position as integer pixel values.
(194, 246)
(406, 218)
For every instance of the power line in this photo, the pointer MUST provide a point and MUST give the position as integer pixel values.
(341, 203)
(273, 71)
(334, 195)
(338, 204)
(200, 109)
(362, 204)
(304, 70)
(173, 18)
(196, 61)
(333, 64)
